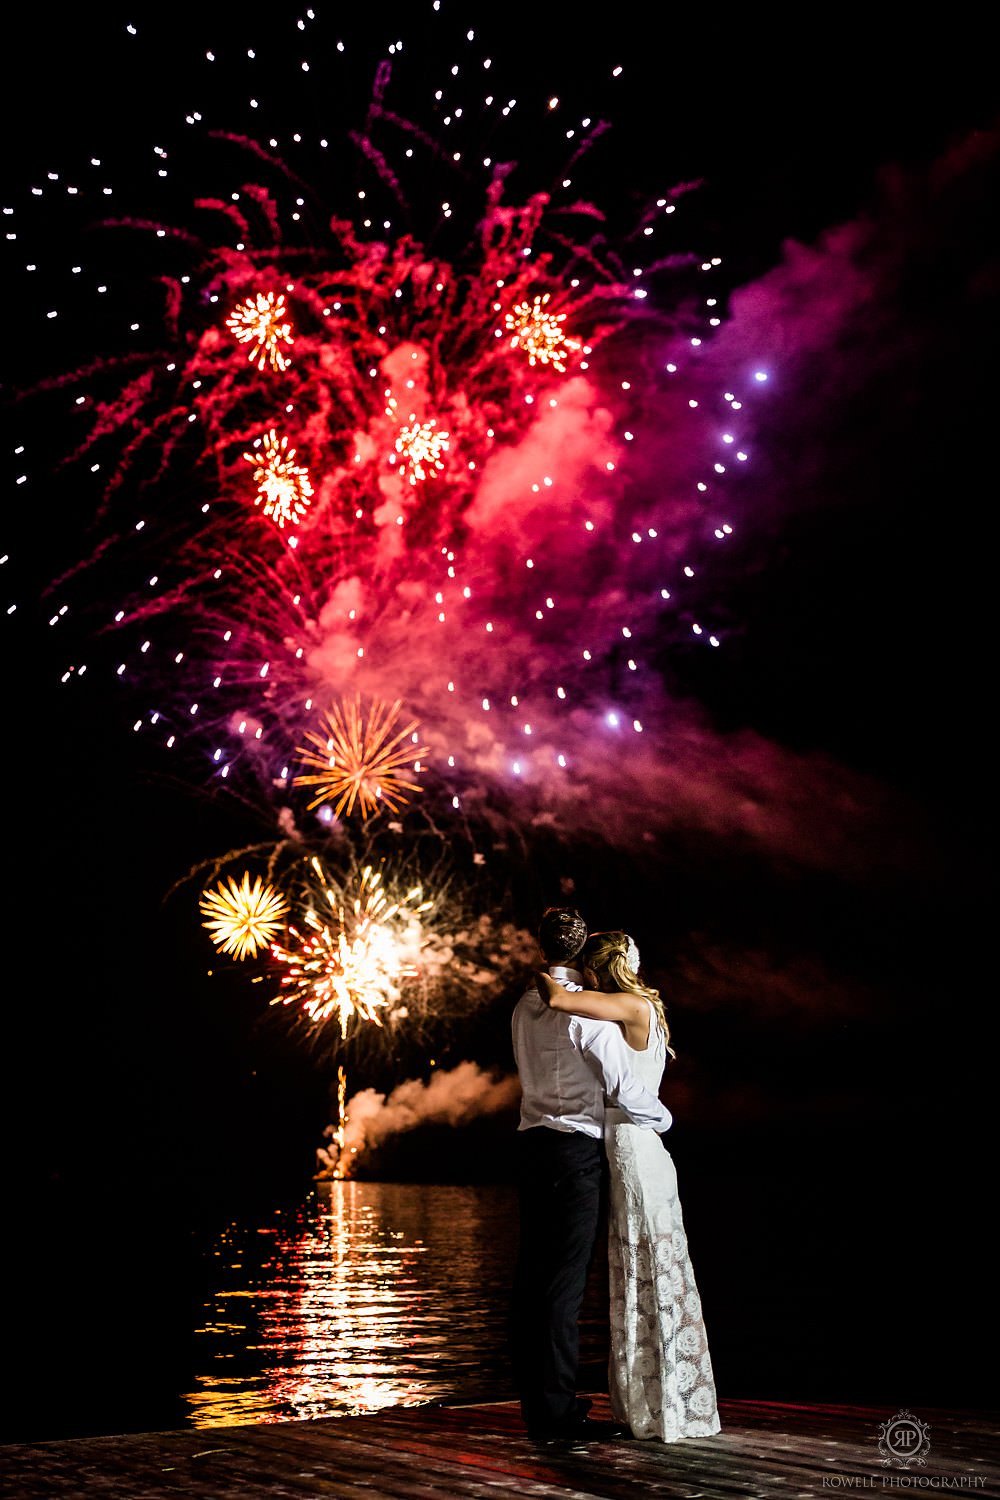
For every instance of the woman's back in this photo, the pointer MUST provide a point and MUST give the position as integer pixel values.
(648, 1065)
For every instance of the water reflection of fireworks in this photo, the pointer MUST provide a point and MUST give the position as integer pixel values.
(334, 1303)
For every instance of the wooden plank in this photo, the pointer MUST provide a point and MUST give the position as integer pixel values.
(770, 1450)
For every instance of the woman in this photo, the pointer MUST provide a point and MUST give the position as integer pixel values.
(660, 1372)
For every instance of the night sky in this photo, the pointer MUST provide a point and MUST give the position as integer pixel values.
(813, 898)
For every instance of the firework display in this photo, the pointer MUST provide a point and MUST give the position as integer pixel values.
(488, 488)
(493, 473)
(360, 953)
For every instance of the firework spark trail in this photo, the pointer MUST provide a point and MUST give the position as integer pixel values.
(510, 582)
(338, 1135)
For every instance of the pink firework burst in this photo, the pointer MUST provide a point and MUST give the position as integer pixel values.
(489, 484)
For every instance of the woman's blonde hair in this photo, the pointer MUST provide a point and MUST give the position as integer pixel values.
(607, 955)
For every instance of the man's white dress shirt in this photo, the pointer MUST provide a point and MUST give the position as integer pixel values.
(569, 1065)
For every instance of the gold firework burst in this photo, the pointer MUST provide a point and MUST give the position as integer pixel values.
(358, 758)
(283, 486)
(262, 320)
(244, 917)
(540, 334)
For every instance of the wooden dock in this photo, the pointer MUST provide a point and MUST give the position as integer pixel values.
(480, 1452)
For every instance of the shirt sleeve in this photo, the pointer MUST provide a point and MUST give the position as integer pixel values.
(604, 1048)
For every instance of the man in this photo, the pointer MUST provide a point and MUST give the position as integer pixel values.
(568, 1066)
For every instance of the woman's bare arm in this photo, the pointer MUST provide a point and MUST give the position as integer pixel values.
(630, 1011)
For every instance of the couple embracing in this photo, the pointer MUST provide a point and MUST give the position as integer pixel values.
(591, 1042)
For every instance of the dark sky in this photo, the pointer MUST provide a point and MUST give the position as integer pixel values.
(834, 996)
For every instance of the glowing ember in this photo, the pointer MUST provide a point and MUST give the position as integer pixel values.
(352, 962)
(359, 758)
(261, 321)
(282, 484)
(243, 918)
(420, 447)
(540, 334)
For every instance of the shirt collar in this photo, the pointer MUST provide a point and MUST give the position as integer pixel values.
(561, 973)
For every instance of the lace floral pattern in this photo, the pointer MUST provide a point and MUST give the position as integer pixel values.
(660, 1372)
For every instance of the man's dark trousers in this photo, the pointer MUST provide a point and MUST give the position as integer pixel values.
(560, 1196)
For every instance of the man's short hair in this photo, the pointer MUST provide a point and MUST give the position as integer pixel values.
(562, 932)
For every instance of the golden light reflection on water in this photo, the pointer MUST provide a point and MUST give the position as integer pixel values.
(372, 1295)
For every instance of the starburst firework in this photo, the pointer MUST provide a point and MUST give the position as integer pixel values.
(243, 918)
(262, 321)
(420, 446)
(282, 484)
(540, 333)
(357, 954)
(359, 758)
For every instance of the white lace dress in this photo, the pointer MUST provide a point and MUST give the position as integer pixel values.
(660, 1372)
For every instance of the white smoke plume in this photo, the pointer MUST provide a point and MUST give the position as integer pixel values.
(450, 1097)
